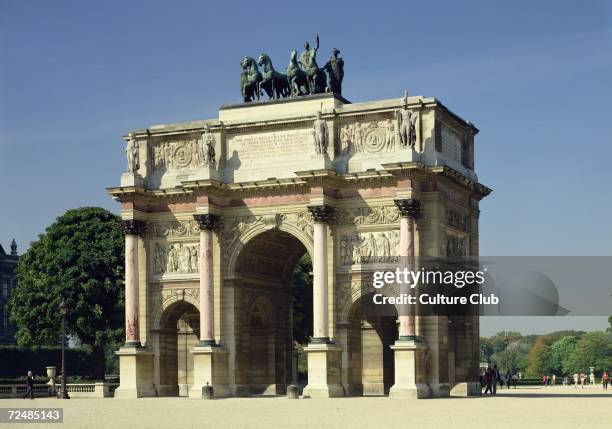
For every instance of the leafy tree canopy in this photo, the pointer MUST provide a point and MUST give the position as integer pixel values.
(593, 349)
(79, 258)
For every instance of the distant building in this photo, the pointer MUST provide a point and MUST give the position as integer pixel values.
(8, 281)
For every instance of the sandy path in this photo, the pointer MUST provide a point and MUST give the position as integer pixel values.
(558, 407)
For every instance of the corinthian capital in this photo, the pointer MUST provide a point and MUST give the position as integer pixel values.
(409, 207)
(207, 221)
(133, 227)
(322, 213)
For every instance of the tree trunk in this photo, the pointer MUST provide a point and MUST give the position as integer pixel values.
(99, 362)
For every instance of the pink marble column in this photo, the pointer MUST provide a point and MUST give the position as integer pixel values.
(322, 216)
(132, 229)
(410, 209)
(207, 223)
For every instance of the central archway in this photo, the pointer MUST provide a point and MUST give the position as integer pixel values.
(264, 312)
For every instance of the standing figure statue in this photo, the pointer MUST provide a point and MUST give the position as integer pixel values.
(406, 125)
(335, 72)
(320, 133)
(308, 61)
(274, 83)
(249, 79)
(131, 152)
(207, 149)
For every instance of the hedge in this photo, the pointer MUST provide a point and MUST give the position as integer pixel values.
(16, 361)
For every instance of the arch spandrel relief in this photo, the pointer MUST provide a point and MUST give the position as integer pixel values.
(238, 230)
(162, 298)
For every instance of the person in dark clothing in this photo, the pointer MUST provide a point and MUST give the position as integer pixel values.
(494, 379)
(488, 378)
(29, 386)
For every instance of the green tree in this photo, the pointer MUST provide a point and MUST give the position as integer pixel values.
(513, 358)
(485, 350)
(593, 349)
(610, 323)
(301, 283)
(560, 350)
(79, 259)
(538, 359)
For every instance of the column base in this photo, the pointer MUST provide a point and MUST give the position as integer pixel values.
(470, 388)
(323, 371)
(209, 368)
(136, 373)
(409, 357)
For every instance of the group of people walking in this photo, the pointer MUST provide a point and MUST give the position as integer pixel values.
(491, 378)
(581, 379)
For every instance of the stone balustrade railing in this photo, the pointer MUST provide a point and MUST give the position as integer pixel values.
(77, 390)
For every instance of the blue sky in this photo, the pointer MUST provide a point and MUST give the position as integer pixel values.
(535, 77)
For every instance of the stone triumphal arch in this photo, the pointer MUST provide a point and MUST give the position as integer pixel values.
(217, 213)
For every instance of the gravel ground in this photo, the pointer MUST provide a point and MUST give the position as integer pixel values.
(558, 407)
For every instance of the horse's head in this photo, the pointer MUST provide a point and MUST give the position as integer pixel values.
(263, 59)
(293, 56)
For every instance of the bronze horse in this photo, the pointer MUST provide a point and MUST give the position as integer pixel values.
(298, 80)
(249, 79)
(274, 83)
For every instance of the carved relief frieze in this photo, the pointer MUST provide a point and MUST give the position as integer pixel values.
(369, 137)
(174, 228)
(369, 248)
(175, 258)
(457, 219)
(456, 245)
(367, 215)
(182, 154)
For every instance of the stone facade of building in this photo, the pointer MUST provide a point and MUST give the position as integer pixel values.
(8, 281)
(217, 213)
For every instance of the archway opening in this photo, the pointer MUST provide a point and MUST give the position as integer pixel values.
(372, 329)
(273, 295)
(179, 333)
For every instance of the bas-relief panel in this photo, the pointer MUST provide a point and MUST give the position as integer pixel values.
(358, 247)
(177, 155)
(457, 219)
(369, 137)
(365, 248)
(175, 258)
(178, 257)
(456, 245)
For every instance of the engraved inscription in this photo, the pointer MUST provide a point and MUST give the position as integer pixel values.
(265, 148)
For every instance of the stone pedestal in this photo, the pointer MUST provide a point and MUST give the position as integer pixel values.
(321, 162)
(136, 369)
(323, 371)
(209, 367)
(206, 172)
(132, 179)
(466, 389)
(409, 359)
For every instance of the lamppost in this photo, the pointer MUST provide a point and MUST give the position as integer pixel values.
(64, 394)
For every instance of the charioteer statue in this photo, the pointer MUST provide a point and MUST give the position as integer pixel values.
(303, 77)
